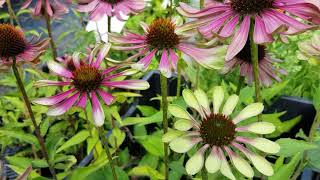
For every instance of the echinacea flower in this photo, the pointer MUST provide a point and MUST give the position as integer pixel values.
(164, 38)
(2, 3)
(14, 45)
(310, 49)
(267, 71)
(118, 8)
(86, 81)
(269, 16)
(53, 8)
(216, 132)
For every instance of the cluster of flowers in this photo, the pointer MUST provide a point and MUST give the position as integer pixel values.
(87, 80)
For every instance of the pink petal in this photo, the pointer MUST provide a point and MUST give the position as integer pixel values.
(128, 84)
(43, 83)
(164, 65)
(82, 102)
(63, 106)
(260, 33)
(60, 70)
(53, 99)
(106, 97)
(98, 114)
(145, 62)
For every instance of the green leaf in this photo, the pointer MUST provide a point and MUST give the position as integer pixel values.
(143, 120)
(44, 127)
(52, 143)
(29, 138)
(139, 130)
(287, 170)
(147, 110)
(146, 171)
(116, 136)
(149, 160)
(76, 139)
(313, 157)
(290, 147)
(153, 144)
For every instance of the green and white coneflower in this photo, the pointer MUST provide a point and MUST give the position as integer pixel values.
(219, 133)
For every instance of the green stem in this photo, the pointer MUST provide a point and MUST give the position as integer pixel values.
(198, 66)
(204, 174)
(109, 24)
(240, 84)
(12, 14)
(36, 127)
(52, 43)
(255, 65)
(164, 92)
(104, 141)
(90, 128)
(201, 4)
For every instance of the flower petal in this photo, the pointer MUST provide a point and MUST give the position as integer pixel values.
(59, 70)
(106, 97)
(218, 96)
(202, 99)
(54, 99)
(98, 114)
(191, 99)
(164, 65)
(230, 104)
(225, 168)
(240, 38)
(171, 135)
(179, 112)
(262, 144)
(248, 112)
(213, 161)
(63, 106)
(258, 127)
(128, 84)
(183, 124)
(195, 163)
(183, 144)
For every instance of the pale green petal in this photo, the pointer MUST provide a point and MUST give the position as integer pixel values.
(230, 104)
(190, 99)
(183, 124)
(202, 99)
(265, 145)
(261, 128)
(182, 144)
(242, 165)
(213, 162)
(248, 112)
(225, 169)
(195, 164)
(218, 95)
(171, 134)
(178, 112)
(261, 164)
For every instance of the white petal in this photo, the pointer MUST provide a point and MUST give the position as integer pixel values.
(248, 112)
(225, 168)
(170, 135)
(183, 124)
(183, 144)
(195, 163)
(230, 104)
(202, 99)
(265, 145)
(213, 161)
(178, 112)
(260, 127)
(218, 95)
(191, 99)
(242, 165)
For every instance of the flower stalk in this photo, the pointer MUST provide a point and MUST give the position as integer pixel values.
(12, 15)
(164, 92)
(104, 142)
(240, 84)
(36, 127)
(255, 65)
(179, 76)
(52, 43)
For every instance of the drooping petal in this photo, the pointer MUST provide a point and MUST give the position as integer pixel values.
(242, 165)
(248, 112)
(82, 102)
(106, 97)
(63, 106)
(213, 161)
(195, 163)
(54, 99)
(240, 38)
(262, 144)
(260, 34)
(128, 84)
(218, 96)
(59, 70)
(230, 104)
(145, 62)
(98, 114)
(164, 65)
(183, 144)
(258, 128)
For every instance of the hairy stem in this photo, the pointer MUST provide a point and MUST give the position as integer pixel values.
(36, 127)
(12, 15)
(164, 92)
(105, 144)
(255, 65)
(52, 43)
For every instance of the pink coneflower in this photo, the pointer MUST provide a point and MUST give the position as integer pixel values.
(119, 8)
(53, 8)
(13, 44)
(267, 72)
(2, 3)
(220, 134)
(270, 17)
(163, 37)
(86, 81)
(310, 49)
